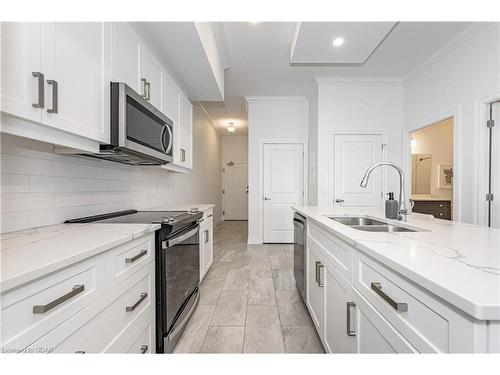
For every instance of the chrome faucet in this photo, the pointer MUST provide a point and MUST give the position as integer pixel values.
(403, 211)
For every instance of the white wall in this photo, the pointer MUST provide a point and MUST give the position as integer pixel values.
(270, 119)
(436, 140)
(456, 82)
(359, 106)
(313, 145)
(40, 188)
(234, 148)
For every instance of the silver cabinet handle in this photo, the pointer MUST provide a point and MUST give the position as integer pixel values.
(350, 332)
(377, 288)
(134, 306)
(183, 154)
(206, 236)
(144, 84)
(144, 349)
(319, 266)
(134, 258)
(339, 200)
(148, 85)
(55, 96)
(40, 309)
(41, 90)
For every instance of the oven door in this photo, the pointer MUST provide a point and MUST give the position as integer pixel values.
(299, 254)
(181, 259)
(138, 126)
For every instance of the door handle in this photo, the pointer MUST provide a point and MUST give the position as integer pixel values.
(267, 199)
(148, 85)
(339, 200)
(144, 349)
(55, 96)
(144, 84)
(350, 332)
(134, 306)
(398, 306)
(41, 90)
(41, 309)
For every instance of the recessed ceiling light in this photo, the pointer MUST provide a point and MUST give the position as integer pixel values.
(338, 41)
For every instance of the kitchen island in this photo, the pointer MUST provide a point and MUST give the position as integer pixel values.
(446, 275)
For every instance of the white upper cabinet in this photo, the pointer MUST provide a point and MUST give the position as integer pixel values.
(75, 60)
(126, 56)
(186, 132)
(151, 78)
(22, 80)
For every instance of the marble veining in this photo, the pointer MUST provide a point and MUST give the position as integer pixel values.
(458, 262)
(29, 254)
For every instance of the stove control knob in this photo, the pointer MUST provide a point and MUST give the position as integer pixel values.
(194, 210)
(168, 219)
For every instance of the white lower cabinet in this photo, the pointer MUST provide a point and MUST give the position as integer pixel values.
(206, 243)
(339, 333)
(359, 305)
(86, 308)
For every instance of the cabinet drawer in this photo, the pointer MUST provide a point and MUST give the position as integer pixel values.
(31, 311)
(97, 327)
(339, 253)
(129, 258)
(143, 338)
(426, 322)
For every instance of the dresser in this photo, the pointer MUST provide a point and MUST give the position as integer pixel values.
(440, 209)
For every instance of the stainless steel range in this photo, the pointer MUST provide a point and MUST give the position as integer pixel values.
(177, 267)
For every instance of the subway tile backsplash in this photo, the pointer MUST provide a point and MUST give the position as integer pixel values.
(41, 188)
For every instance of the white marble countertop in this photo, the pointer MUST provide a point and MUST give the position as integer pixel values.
(29, 254)
(458, 262)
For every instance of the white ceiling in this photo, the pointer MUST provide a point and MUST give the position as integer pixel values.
(313, 42)
(259, 59)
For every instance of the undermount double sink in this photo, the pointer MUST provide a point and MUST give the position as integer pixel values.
(369, 225)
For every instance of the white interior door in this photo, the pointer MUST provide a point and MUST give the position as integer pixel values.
(235, 191)
(353, 154)
(283, 187)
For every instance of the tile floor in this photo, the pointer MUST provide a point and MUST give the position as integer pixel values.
(248, 301)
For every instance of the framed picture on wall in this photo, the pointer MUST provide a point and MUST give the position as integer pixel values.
(445, 176)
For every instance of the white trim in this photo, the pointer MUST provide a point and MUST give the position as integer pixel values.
(320, 79)
(481, 172)
(465, 35)
(456, 114)
(267, 98)
(305, 178)
(294, 40)
(331, 154)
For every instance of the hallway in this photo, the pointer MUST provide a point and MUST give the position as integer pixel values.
(248, 301)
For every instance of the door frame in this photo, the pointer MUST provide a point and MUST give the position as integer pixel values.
(223, 182)
(454, 113)
(331, 154)
(305, 176)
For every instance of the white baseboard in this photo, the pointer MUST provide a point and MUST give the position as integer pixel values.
(254, 241)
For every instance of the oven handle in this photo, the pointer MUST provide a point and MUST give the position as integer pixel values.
(183, 237)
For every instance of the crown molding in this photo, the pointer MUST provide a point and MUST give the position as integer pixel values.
(204, 110)
(273, 98)
(460, 39)
(322, 79)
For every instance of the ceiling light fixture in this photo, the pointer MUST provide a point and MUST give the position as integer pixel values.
(338, 41)
(231, 128)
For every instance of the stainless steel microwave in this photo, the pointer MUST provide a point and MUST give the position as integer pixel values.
(140, 134)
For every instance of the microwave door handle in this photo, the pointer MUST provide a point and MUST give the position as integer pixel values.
(162, 137)
(184, 237)
(170, 139)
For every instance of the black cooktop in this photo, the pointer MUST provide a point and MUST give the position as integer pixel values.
(168, 219)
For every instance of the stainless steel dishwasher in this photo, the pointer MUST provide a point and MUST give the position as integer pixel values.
(299, 253)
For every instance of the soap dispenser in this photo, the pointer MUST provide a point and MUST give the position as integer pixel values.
(391, 207)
